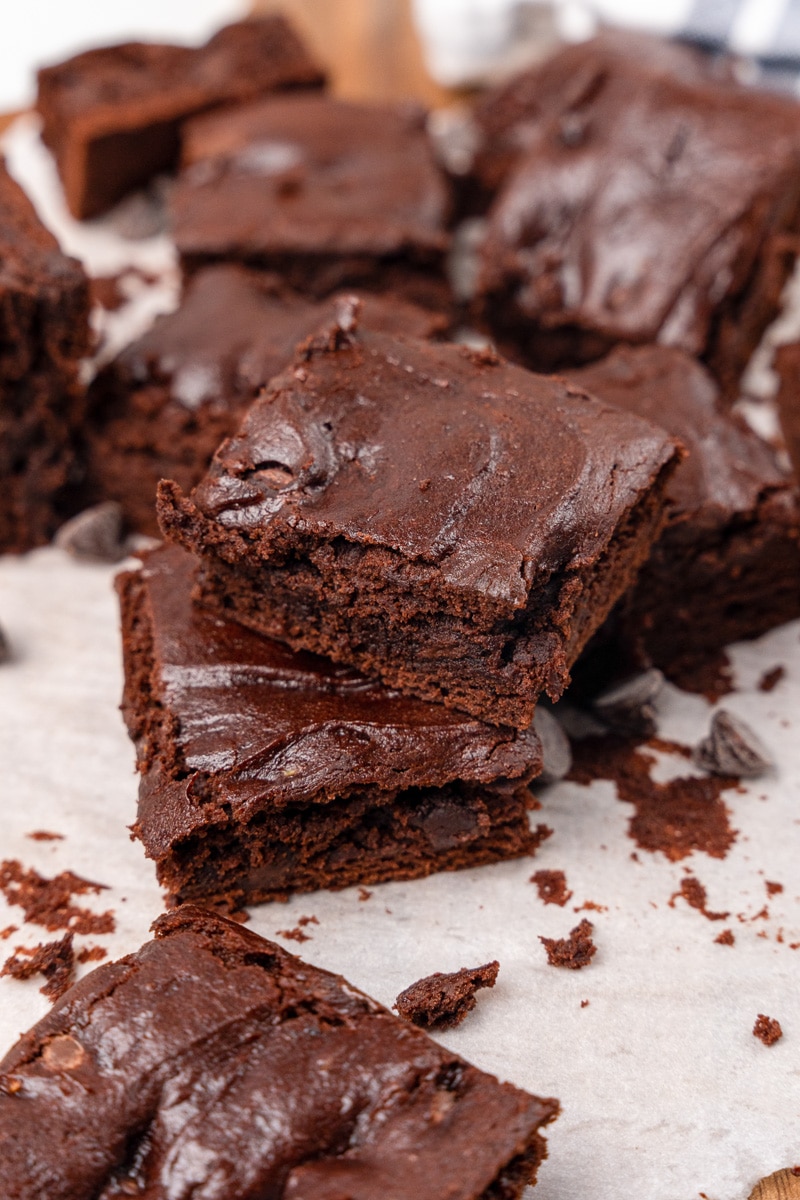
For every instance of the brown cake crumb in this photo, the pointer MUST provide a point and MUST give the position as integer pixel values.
(575, 951)
(48, 902)
(442, 1001)
(45, 835)
(773, 888)
(364, 893)
(91, 954)
(303, 921)
(725, 938)
(693, 892)
(584, 1003)
(552, 887)
(767, 1030)
(7, 932)
(676, 817)
(770, 679)
(54, 960)
(712, 678)
(294, 935)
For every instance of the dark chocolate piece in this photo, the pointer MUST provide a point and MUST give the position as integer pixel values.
(442, 1001)
(266, 772)
(767, 1030)
(732, 748)
(556, 749)
(162, 407)
(327, 193)
(5, 648)
(629, 707)
(787, 365)
(647, 208)
(113, 116)
(44, 334)
(213, 1063)
(434, 516)
(95, 534)
(573, 952)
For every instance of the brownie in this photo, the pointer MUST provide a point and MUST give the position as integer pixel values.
(647, 208)
(327, 193)
(266, 771)
(165, 403)
(112, 116)
(787, 365)
(44, 333)
(443, 1000)
(727, 565)
(213, 1063)
(429, 514)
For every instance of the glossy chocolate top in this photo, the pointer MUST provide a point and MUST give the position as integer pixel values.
(729, 468)
(642, 202)
(487, 477)
(307, 174)
(212, 1063)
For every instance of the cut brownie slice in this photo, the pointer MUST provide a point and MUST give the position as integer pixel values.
(112, 116)
(727, 565)
(266, 772)
(44, 333)
(162, 407)
(213, 1063)
(787, 365)
(436, 517)
(327, 193)
(647, 208)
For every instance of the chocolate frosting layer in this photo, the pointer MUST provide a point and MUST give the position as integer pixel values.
(212, 1063)
(493, 476)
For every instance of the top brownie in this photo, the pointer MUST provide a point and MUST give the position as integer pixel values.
(211, 1063)
(437, 517)
(647, 208)
(328, 193)
(112, 115)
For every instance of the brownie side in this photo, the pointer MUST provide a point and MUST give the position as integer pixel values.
(112, 116)
(727, 565)
(308, 775)
(44, 333)
(236, 1030)
(161, 408)
(787, 366)
(444, 521)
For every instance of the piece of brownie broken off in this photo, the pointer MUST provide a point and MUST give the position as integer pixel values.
(44, 334)
(727, 564)
(289, 1082)
(112, 116)
(327, 193)
(767, 1030)
(443, 1000)
(648, 207)
(434, 516)
(54, 960)
(573, 952)
(266, 772)
(162, 406)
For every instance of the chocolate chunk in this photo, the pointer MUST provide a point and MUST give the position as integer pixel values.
(442, 1001)
(5, 649)
(629, 707)
(767, 1030)
(732, 748)
(95, 534)
(575, 951)
(556, 749)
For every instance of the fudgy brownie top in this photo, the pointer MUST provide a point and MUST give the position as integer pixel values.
(728, 469)
(265, 720)
(643, 201)
(212, 1062)
(484, 476)
(309, 174)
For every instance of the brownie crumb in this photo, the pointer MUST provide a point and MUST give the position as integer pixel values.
(442, 1001)
(48, 902)
(767, 1030)
(575, 951)
(294, 935)
(45, 835)
(693, 892)
(540, 834)
(552, 887)
(303, 921)
(712, 678)
(770, 679)
(584, 1003)
(676, 817)
(54, 960)
(773, 888)
(91, 954)
(364, 893)
(590, 906)
(725, 938)
(7, 932)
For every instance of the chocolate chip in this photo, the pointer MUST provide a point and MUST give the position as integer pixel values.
(556, 748)
(5, 649)
(629, 707)
(95, 534)
(63, 1053)
(732, 748)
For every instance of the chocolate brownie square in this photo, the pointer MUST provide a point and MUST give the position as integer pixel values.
(727, 565)
(162, 407)
(328, 194)
(445, 521)
(44, 334)
(787, 365)
(647, 208)
(112, 116)
(266, 771)
(213, 1063)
